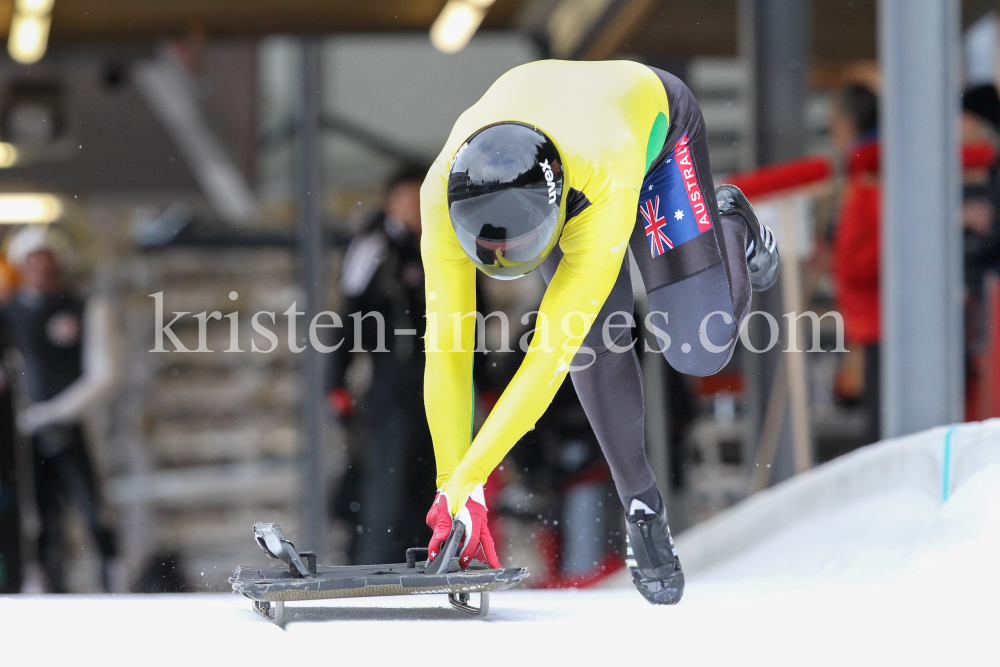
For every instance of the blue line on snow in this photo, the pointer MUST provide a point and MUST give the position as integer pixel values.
(946, 468)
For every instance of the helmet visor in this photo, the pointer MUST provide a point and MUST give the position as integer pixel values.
(505, 228)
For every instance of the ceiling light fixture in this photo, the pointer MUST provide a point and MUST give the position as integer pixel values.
(29, 30)
(457, 23)
(29, 207)
(34, 7)
(8, 155)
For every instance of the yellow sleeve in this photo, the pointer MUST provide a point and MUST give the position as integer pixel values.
(594, 245)
(450, 288)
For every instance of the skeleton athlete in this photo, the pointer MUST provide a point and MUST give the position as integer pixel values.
(563, 166)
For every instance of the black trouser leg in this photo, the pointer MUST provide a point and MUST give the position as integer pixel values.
(77, 477)
(50, 537)
(67, 476)
(608, 382)
(383, 486)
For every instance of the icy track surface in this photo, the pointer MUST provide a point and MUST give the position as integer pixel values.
(899, 578)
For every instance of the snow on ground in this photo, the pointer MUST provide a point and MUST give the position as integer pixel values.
(898, 578)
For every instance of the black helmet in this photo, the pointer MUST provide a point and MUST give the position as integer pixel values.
(505, 198)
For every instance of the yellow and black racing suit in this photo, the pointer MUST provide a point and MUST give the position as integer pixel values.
(635, 160)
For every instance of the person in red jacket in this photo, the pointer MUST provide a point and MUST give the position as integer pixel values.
(856, 244)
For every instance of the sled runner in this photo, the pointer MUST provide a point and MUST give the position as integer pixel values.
(303, 579)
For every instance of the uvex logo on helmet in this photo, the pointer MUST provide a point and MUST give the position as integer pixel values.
(549, 180)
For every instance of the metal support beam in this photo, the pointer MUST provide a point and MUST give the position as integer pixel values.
(309, 248)
(795, 360)
(922, 375)
(776, 40)
(782, 51)
(170, 95)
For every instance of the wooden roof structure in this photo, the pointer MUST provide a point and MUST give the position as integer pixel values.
(844, 30)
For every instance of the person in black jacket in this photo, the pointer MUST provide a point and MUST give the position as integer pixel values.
(69, 365)
(980, 123)
(980, 126)
(391, 479)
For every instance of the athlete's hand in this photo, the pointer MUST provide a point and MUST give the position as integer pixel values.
(439, 521)
(478, 543)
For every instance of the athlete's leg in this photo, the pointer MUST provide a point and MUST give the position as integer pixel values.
(699, 287)
(693, 264)
(609, 385)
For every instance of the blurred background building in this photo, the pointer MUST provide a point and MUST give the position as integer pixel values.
(224, 153)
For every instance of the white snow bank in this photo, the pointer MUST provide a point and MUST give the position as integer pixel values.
(875, 570)
(900, 536)
(933, 464)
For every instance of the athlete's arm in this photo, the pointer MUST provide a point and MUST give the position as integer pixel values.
(594, 245)
(450, 284)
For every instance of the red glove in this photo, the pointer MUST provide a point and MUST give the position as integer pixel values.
(477, 540)
(340, 401)
(439, 520)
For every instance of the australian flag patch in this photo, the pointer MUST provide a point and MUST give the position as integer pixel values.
(671, 202)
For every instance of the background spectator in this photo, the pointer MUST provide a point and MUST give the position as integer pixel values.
(69, 365)
(854, 129)
(980, 124)
(390, 482)
(10, 515)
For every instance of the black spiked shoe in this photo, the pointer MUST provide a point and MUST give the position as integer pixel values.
(762, 249)
(652, 561)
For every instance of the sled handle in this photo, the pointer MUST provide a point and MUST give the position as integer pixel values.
(276, 545)
(441, 564)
